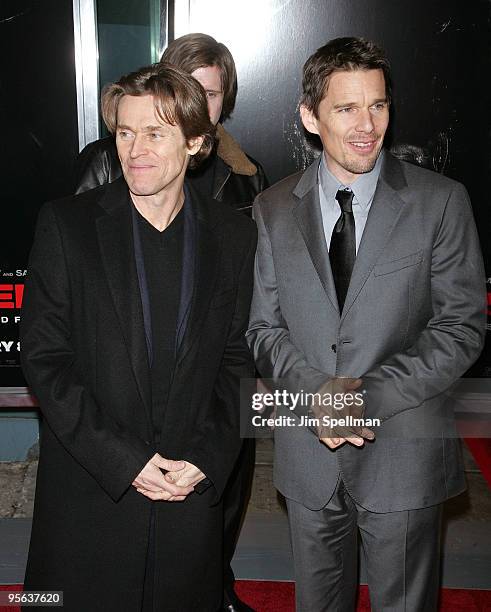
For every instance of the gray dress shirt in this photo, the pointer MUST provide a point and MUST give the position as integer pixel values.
(363, 189)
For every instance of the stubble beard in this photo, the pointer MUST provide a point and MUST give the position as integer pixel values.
(356, 165)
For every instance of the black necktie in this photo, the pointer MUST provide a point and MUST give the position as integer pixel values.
(342, 251)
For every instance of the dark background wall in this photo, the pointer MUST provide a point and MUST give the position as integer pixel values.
(39, 138)
(440, 55)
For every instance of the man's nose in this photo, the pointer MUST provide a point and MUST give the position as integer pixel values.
(138, 146)
(365, 121)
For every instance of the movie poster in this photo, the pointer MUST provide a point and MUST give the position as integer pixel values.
(11, 293)
(39, 144)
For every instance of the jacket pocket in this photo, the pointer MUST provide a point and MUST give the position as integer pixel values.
(398, 264)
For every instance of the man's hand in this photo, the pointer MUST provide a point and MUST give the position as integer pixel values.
(344, 404)
(189, 476)
(152, 483)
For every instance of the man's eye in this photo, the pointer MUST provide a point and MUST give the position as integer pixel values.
(211, 94)
(123, 134)
(379, 106)
(346, 109)
(154, 135)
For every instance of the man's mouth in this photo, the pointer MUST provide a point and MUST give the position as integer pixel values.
(363, 146)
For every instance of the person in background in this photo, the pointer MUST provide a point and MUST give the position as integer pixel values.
(229, 176)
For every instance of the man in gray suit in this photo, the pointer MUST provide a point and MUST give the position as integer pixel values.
(366, 267)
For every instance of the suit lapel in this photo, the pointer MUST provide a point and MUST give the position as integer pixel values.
(384, 212)
(307, 214)
(115, 236)
(142, 284)
(201, 260)
(188, 274)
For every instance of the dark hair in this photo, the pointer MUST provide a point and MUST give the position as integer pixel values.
(339, 54)
(194, 51)
(179, 100)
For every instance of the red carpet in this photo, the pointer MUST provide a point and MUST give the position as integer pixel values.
(268, 596)
(481, 451)
(280, 596)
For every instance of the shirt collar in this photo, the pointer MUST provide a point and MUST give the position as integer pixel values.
(363, 187)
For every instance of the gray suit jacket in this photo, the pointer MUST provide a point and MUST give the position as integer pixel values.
(413, 322)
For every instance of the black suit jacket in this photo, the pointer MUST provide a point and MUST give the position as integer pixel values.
(85, 356)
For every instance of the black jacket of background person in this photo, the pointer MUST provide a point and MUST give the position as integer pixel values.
(85, 357)
(237, 178)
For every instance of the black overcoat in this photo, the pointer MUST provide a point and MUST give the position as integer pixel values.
(85, 356)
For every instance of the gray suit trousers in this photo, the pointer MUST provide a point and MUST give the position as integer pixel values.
(402, 551)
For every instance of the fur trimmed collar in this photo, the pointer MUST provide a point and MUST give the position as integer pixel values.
(229, 150)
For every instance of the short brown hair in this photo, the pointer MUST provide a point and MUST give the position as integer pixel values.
(339, 54)
(193, 51)
(179, 100)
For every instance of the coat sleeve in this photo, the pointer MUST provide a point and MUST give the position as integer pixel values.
(109, 452)
(276, 357)
(453, 337)
(215, 446)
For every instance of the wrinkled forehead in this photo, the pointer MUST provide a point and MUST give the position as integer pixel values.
(146, 109)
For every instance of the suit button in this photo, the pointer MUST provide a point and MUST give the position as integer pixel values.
(333, 348)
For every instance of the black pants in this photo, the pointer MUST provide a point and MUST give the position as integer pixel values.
(235, 501)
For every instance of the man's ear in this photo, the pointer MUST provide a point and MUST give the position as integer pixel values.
(308, 119)
(194, 145)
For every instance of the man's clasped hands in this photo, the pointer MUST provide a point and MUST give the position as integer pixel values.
(336, 436)
(175, 484)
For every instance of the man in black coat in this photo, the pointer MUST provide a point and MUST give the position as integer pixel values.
(228, 175)
(133, 342)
